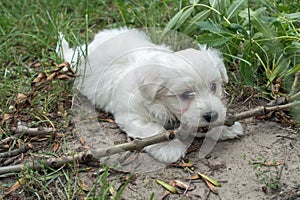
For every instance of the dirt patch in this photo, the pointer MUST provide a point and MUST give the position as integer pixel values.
(238, 164)
(231, 163)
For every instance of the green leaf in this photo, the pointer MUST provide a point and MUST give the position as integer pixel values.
(213, 40)
(219, 5)
(212, 181)
(211, 26)
(256, 18)
(293, 70)
(173, 21)
(185, 15)
(178, 19)
(261, 26)
(214, 4)
(295, 16)
(194, 1)
(192, 26)
(246, 67)
(235, 7)
(278, 70)
(167, 186)
(240, 29)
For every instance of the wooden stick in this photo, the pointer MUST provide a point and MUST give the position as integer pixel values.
(86, 156)
(21, 129)
(261, 110)
(15, 152)
(137, 144)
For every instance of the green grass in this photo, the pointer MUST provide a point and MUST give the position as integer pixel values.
(29, 30)
(260, 39)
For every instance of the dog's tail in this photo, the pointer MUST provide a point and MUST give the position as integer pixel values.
(71, 55)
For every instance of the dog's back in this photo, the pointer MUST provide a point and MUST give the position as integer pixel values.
(111, 52)
(107, 46)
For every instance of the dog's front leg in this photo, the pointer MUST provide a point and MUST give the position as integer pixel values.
(231, 132)
(139, 128)
(166, 152)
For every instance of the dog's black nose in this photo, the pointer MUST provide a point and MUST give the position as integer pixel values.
(210, 116)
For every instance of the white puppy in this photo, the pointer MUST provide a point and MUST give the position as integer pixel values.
(148, 86)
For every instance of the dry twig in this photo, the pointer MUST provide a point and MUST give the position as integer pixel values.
(261, 110)
(137, 144)
(21, 129)
(15, 152)
(83, 157)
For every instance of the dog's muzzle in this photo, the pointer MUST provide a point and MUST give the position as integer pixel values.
(210, 116)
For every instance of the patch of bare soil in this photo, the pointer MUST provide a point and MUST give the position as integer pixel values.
(239, 166)
(263, 164)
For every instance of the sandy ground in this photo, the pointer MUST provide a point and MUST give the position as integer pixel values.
(230, 163)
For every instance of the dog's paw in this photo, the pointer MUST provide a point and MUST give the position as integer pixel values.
(167, 152)
(231, 132)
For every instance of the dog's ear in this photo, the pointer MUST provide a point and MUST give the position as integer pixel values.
(197, 57)
(150, 83)
(216, 57)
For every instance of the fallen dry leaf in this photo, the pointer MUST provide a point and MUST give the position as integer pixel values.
(269, 163)
(214, 182)
(167, 192)
(6, 117)
(184, 185)
(51, 77)
(34, 63)
(84, 186)
(20, 97)
(41, 77)
(273, 163)
(189, 164)
(112, 190)
(82, 141)
(17, 185)
(110, 121)
(195, 177)
(55, 147)
(211, 186)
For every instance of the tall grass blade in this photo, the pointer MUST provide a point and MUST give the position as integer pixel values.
(192, 26)
(235, 7)
(213, 40)
(246, 67)
(185, 15)
(172, 23)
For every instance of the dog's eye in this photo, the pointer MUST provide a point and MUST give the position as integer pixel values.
(213, 87)
(187, 95)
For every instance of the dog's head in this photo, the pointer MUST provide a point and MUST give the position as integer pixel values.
(187, 85)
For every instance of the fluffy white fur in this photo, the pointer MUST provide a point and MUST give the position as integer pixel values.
(147, 86)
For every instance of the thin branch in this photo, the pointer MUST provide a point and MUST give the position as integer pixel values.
(21, 129)
(261, 110)
(284, 100)
(137, 144)
(15, 152)
(52, 162)
(7, 140)
(83, 157)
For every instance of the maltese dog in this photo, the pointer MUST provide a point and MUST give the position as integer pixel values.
(149, 87)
